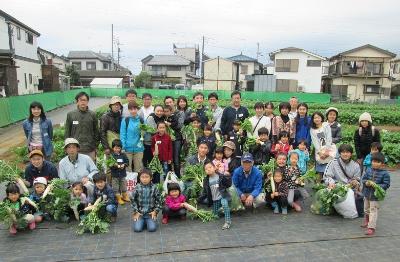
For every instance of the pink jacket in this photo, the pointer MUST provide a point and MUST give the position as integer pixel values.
(222, 166)
(175, 203)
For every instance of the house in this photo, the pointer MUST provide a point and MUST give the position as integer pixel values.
(169, 69)
(395, 76)
(221, 74)
(359, 74)
(106, 83)
(53, 71)
(20, 67)
(297, 70)
(92, 65)
(248, 67)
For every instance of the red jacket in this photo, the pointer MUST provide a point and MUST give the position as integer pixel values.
(284, 148)
(164, 147)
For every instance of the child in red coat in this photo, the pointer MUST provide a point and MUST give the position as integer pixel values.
(174, 203)
(283, 145)
(161, 146)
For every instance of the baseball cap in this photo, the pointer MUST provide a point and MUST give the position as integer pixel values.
(69, 141)
(247, 157)
(40, 180)
(35, 152)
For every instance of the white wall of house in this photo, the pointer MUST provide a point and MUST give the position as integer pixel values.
(21, 46)
(24, 69)
(99, 64)
(308, 77)
(4, 40)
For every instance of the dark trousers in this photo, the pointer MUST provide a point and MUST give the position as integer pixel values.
(282, 201)
(177, 148)
(147, 155)
(173, 213)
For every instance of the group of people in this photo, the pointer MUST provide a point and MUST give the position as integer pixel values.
(220, 148)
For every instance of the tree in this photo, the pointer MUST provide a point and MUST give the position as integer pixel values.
(143, 80)
(73, 74)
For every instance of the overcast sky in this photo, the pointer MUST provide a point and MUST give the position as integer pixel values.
(230, 26)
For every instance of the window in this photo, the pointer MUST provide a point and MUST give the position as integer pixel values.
(286, 85)
(29, 38)
(105, 66)
(18, 33)
(374, 68)
(287, 65)
(77, 65)
(244, 69)
(30, 79)
(90, 65)
(173, 68)
(371, 89)
(26, 81)
(314, 63)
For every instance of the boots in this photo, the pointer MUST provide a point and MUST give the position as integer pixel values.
(164, 219)
(370, 232)
(119, 199)
(125, 197)
(366, 221)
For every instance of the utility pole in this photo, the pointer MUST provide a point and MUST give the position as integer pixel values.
(118, 53)
(258, 50)
(112, 47)
(201, 63)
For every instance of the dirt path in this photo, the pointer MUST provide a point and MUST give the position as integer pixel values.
(13, 135)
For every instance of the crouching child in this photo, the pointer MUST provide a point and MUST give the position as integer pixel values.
(39, 186)
(104, 191)
(174, 203)
(277, 192)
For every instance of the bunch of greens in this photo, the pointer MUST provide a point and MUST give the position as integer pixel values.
(56, 200)
(10, 216)
(250, 142)
(146, 129)
(325, 199)
(171, 133)
(204, 215)
(268, 168)
(189, 135)
(194, 176)
(11, 173)
(246, 126)
(155, 165)
(94, 222)
(310, 176)
(379, 192)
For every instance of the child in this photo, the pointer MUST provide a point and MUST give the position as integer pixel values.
(220, 163)
(103, 190)
(39, 186)
(304, 155)
(209, 138)
(77, 189)
(278, 198)
(146, 203)
(283, 145)
(292, 173)
(364, 136)
(262, 149)
(215, 190)
(163, 142)
(381, 177)
(174, 203)
(303, 124)
(281, 159)
(376, 147)
(118, 172)
(23, 204)
(196, 124)
(238, 137)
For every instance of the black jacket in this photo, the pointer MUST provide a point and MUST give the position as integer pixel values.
(200, 113)
(212, 144)
(224, 182)
(107, 191)
(261, 153)
(121, 159)
(229, 115)
(48, 171)
(235, 163)
(109, 121)
(175, 125)
(238, 141)
(363, 143)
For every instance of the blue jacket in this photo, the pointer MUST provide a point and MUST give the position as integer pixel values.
(304, 157)
(130, 136)
(380, 176)
(250, 185)
(303, 131)
(46, 129)
(108, 191)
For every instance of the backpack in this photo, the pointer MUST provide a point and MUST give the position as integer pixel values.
(372, 129)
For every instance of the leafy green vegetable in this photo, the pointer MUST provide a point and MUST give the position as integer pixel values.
(325, 199)
(194, 175)
(171, 133)
(266, 168)
(204, 215)
(155, 165)
(379, 192)
(250, 142)
(94, 222)
(246, 126)
(56, 200)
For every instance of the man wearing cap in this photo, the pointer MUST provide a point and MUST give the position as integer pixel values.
(247, 180)
(110, 123)
(76, 167)
(38, 167)
(82, 125)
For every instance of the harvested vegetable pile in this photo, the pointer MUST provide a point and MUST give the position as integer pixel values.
(325, 198)
(11, 173)
(204, 215)
(193, 177)
(155, 165)
(94, 222)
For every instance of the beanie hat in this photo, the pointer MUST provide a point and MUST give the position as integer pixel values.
(331, 109)
(365, 117)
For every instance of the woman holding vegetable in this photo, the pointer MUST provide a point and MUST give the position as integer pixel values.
(38, 130)
(283, 123)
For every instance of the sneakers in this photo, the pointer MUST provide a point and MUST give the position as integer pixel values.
(32, 225)
(13, 230)
(164, 220)
(366, 221)
(296, 206)
(275, 207)
(284, 210)
(370, 232)
(226, 226)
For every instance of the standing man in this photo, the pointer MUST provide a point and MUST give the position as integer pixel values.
(232, 113)
(110, 123)
(82, 124)
(294, 102)
(216, 110)
(147, 107)
(130, 96)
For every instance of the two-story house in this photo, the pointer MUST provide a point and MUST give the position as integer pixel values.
(395, 76)
(297, 70)
(54, 71)
(169, 69)
(20, 67)
(248, 67)
(360, 74)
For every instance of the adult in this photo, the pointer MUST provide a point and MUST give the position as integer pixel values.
(77, 167)
(130, 96)
(175, 121)
(303, 125)
(233, 112)
(38, 130)
(82, 124)
(131, 138)
(152, 121)
(216, 111)
(200, 157)
(230, 157)
(183, 106)
(147, 107)
(259, 120)
(294, 102)
(247, 180)
(332, 114)
(269, 113)
(321, 138)
(110, 123)
(283, 122)
(38, 167)
(199, 110)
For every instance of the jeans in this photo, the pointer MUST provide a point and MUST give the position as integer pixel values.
(224, 204)
(143, 221)
(177, 148)
(111, 209)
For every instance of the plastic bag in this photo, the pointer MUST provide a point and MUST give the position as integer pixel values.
(347, 207)
(235, 203)
(172, 178)
(131, 181)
